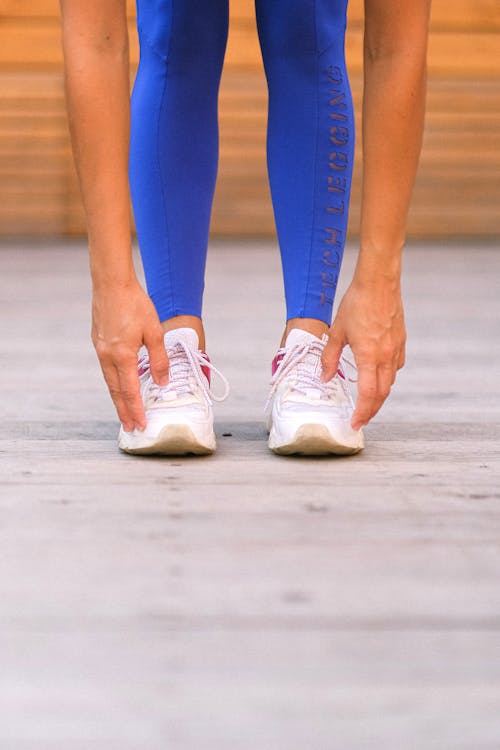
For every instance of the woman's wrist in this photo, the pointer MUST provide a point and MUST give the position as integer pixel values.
(112, 286)
(368, 276)
(112, 274)
(379, 265)
(102, 283)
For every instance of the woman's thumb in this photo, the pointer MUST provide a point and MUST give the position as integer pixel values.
(158, 359)
(331, 353)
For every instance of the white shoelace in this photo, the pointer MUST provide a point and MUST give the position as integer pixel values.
(304, 358)
(185, 364)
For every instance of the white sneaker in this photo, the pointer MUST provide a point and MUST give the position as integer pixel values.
(305, 415)
(179, 415)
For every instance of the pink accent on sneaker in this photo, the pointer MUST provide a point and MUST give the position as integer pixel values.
(206, 370)
(277, 361)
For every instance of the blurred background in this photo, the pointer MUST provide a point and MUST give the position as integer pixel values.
(458, 187)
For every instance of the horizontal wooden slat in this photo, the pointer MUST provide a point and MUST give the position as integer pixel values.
(233, 208)
(29, 45)
(35, 44)
(450, 54)
(41, 8)
(459, 15)
(457, 189)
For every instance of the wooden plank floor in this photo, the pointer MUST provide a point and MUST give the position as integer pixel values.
(245, 601)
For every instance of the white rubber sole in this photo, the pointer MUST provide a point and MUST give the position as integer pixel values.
(173, 440)
(313, 440)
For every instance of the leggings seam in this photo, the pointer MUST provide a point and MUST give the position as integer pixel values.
(315, 173)
(335, 42)
(162, 181)
(143, 35)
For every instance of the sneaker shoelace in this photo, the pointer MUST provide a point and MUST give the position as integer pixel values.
(185, 365)
(302, 360)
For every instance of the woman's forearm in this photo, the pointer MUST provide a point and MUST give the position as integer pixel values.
(95, 47)
(370, 317)
(393, 122)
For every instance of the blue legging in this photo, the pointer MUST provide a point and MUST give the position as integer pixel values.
(174, 145)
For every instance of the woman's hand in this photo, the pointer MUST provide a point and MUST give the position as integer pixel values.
(371, 320)
(123, 319)
(97, 77)
(370, 317)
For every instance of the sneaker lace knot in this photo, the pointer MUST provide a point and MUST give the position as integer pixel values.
(185, 373)
(303, 362)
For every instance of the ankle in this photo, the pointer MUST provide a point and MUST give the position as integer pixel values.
(186, 321)
(311, 325)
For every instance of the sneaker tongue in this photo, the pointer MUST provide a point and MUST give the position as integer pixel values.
(312, 362)
(187, 335)
(297, 336)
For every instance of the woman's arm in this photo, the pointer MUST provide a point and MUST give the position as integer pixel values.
(95, 44)
(370, 317)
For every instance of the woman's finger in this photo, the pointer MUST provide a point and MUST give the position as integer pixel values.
(131, 394)
(386, 375)
(113, 382)
(367, 395)
(401, 358)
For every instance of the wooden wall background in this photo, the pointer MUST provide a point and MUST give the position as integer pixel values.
(458, 188)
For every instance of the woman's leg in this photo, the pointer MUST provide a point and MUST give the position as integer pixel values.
(174, 146)
(310, 148)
